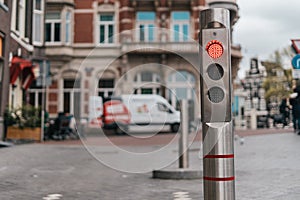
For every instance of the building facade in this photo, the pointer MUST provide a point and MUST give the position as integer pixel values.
(5, 8)
(26, 48)
(113, 47)
(255, 103)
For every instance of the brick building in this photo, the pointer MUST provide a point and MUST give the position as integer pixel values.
(5, 6)
(26, 49)
(112, 47)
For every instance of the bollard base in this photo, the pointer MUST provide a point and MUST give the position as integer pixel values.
(182, 174)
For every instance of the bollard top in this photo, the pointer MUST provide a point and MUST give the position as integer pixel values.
(215, 17)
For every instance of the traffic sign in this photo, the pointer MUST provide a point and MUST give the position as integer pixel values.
(296, 62)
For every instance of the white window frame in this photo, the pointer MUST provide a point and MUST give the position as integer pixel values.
(146, 24)
(34, 28)
(180, 23)
(68, 27)
(53, 22)
(106, 29)
(36, 92)
(71, 92)
(22, 18)
(18, 4)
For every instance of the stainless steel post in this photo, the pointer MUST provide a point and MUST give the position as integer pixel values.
(216, 116)
(184, 131)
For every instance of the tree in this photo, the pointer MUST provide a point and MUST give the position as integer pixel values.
(278, 83)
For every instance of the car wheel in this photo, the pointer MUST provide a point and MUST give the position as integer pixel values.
(120, 130)
(175, 127)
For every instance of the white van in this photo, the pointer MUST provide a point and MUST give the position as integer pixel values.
(151, 110)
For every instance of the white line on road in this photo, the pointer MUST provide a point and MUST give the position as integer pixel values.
(52, 197)
(181, 196)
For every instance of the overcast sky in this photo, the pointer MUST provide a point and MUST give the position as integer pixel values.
(265, 26)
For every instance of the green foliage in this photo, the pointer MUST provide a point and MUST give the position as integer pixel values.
(278, 83)
(25, 116)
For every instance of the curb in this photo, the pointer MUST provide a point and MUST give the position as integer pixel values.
(178, 174)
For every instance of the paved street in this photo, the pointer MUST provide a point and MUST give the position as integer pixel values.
(267, 167)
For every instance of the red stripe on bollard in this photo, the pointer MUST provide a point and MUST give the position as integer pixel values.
(219, 156)
(219, 179)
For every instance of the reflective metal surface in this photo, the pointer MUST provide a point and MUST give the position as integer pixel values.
(217, 128)
(184, 131)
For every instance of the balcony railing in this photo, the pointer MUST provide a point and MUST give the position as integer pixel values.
(160, 47)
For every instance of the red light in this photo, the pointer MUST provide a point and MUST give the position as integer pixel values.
(214, 49)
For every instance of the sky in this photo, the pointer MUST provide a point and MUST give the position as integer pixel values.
(265, 26)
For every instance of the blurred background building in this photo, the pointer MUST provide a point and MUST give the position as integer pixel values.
(111, 47)
(66, 51)
(5, 7)
(255, 104)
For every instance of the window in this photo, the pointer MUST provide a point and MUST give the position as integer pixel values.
(180, 26)
(181, 85)
(106, 87)
(145, 26)
(162, 107)
(19, 16)
(71, 97)
(68, 27)
(106, 28)
(38, 21)
(5, 2)
(35, 94)
(53, 27)
(147, 83)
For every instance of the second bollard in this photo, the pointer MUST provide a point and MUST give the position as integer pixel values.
(184, 131)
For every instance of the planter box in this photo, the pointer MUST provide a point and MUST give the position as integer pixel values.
(25, 133)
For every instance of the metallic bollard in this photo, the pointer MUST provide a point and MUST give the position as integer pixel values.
(184, 131)
(216, 114)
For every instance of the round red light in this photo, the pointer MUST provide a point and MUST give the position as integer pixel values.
(214, 49)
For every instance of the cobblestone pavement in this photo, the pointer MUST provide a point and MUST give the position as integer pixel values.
(267, 167)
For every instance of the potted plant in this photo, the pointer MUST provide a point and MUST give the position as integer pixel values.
(23, 123)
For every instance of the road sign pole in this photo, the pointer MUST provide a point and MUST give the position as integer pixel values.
(216, 116)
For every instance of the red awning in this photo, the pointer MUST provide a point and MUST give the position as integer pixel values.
(24, 68)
